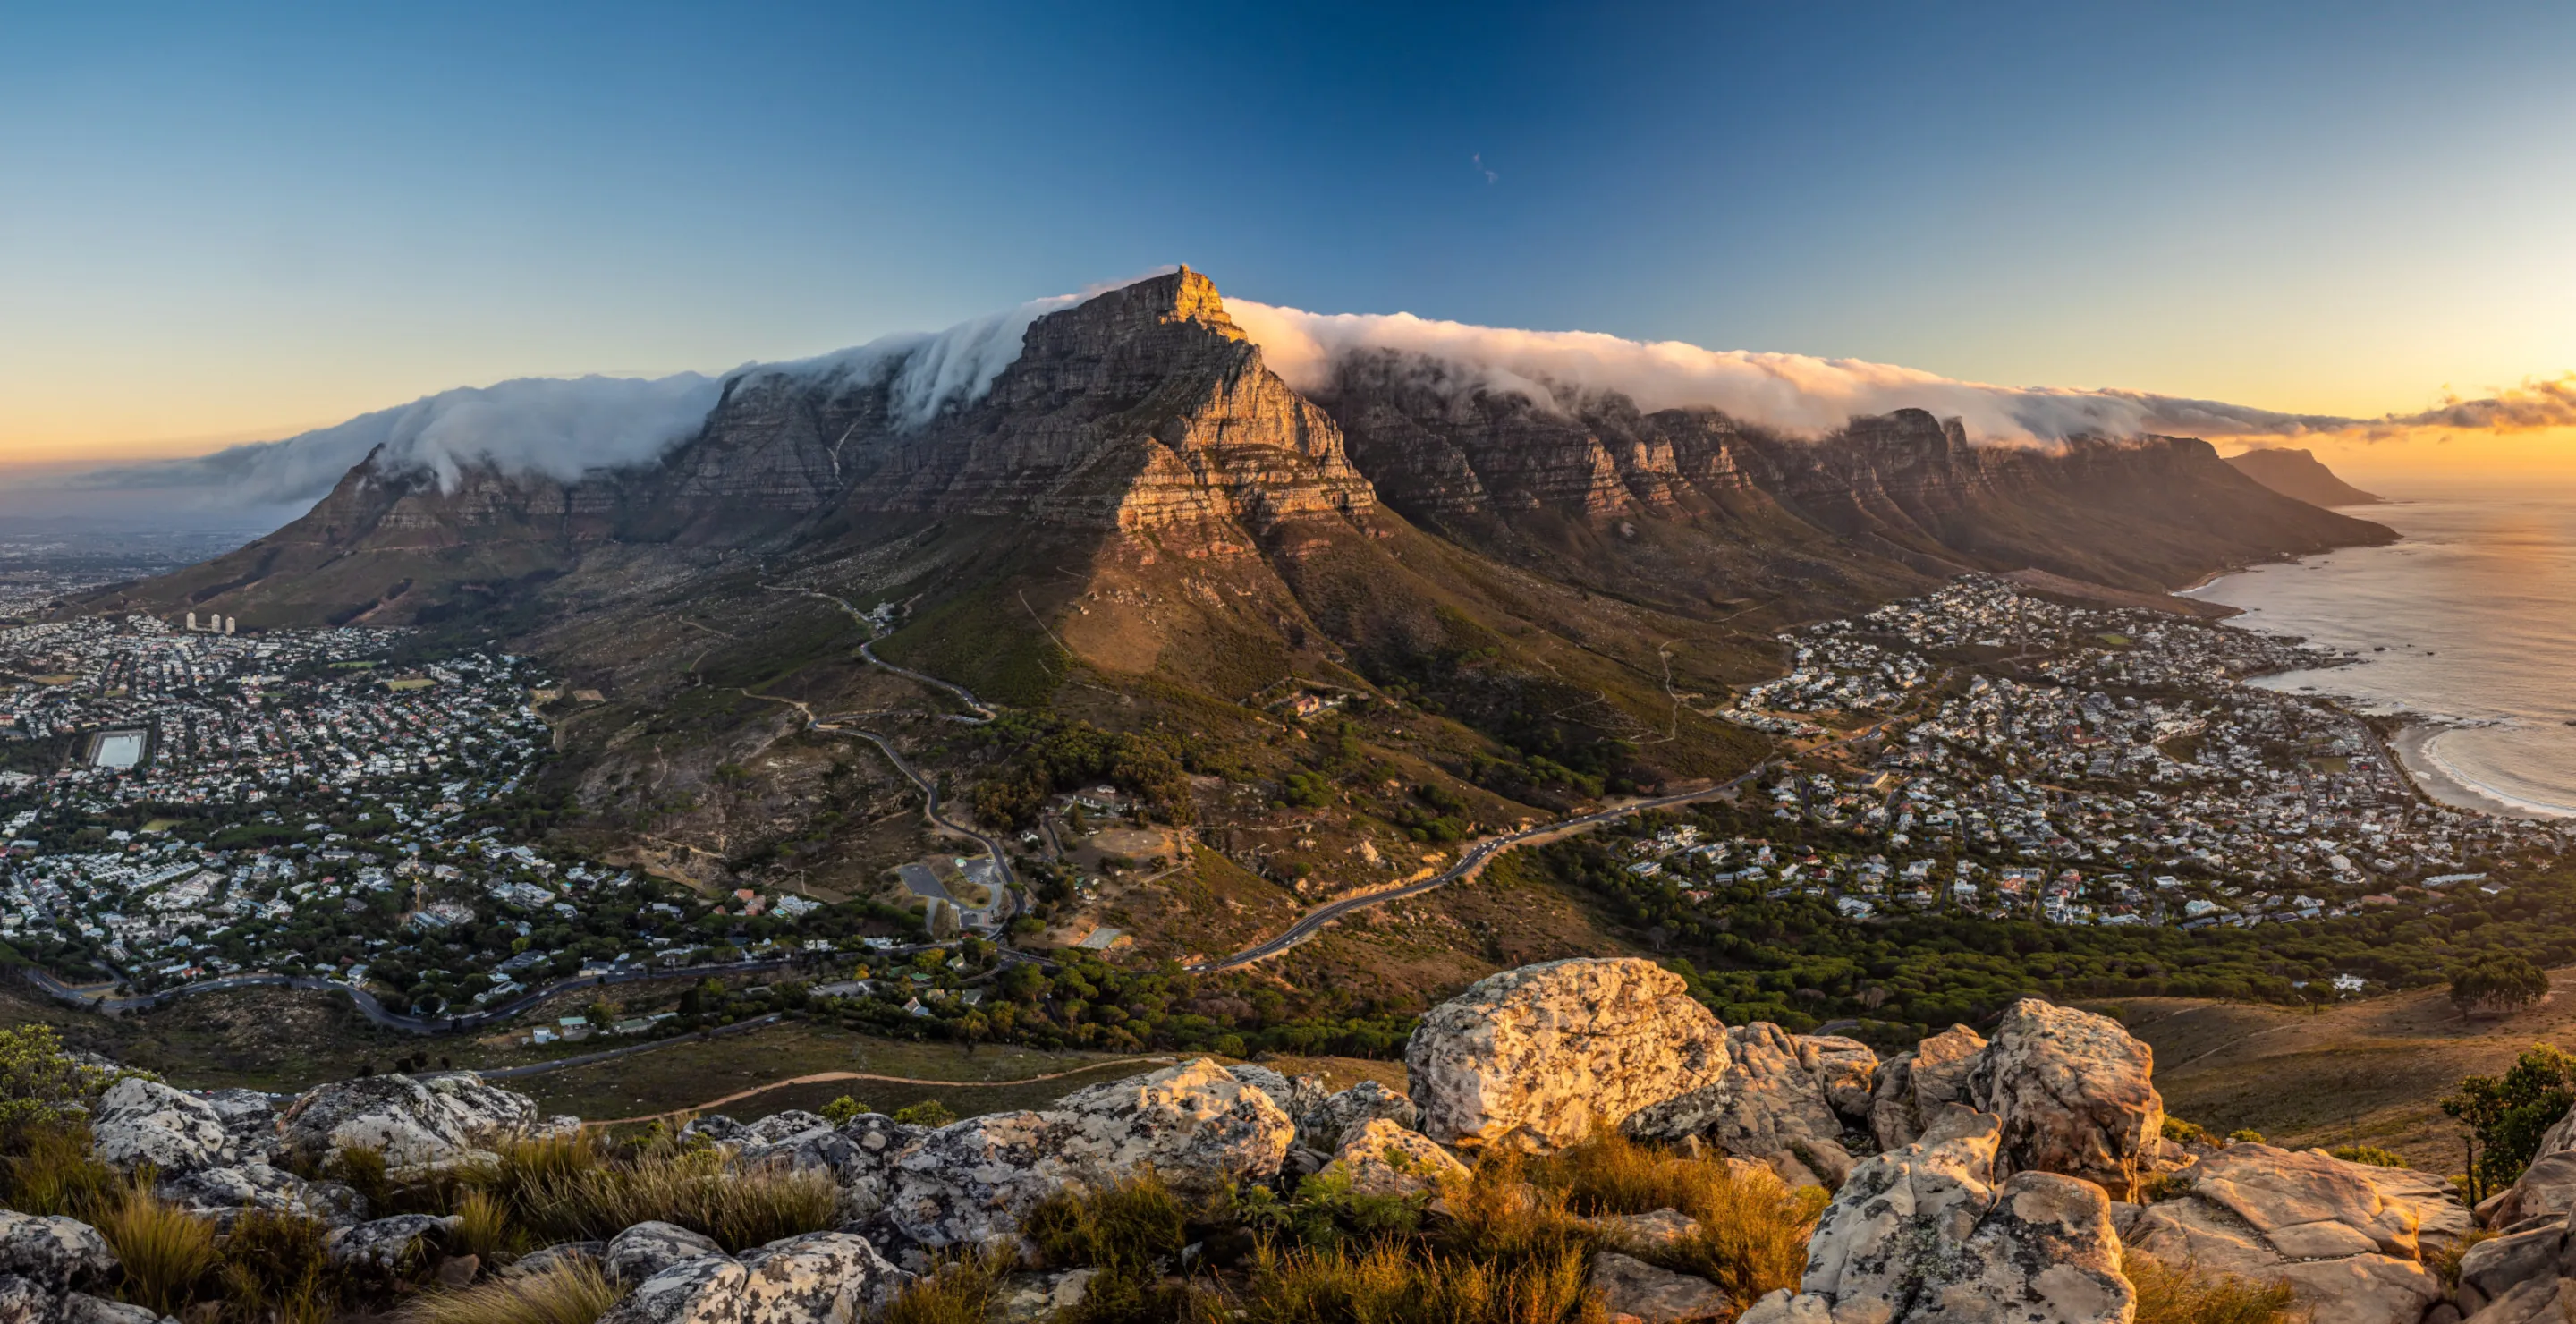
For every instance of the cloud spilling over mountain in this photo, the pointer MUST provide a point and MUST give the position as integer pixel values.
(563, 427)
(1792, 392)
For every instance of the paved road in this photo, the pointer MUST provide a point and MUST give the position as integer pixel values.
(1483, 852)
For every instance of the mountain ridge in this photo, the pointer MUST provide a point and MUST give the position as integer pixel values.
(2298, 474)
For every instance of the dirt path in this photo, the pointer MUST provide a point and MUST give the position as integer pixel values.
(828, 1077)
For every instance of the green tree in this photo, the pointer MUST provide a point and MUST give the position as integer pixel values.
(40, 1083)
(2507, 1114)
(2497, 982)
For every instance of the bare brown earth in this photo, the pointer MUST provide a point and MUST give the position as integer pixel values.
(2368, 1072)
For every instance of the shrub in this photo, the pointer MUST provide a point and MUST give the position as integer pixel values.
(2171, 1294)
(1326, 1212)
(52, 1171)
(275, 1267)
(928, 1112)
(2499, 982)
(2182, 1132)
(842, 1109)
(164, 1250)
(1127, 1226)
(2507, 1114)
(2372, 1155)
(40, 1084)
(364, 1169)
(574, 1292)
(2245, 1136)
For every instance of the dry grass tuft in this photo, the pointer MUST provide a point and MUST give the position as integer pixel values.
(1393, 1284)
(1753, 1228)
(954, 1292)
(50, 1170)
(696, 1190)
(164, 1250)
(276, 1270)
(571, 1293)
(2181, 1294)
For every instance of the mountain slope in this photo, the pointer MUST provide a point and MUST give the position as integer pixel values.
(2300, 476)
(1144, 543)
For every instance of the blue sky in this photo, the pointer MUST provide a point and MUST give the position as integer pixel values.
(219, 222)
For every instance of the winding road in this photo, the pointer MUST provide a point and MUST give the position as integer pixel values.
(1482, 853)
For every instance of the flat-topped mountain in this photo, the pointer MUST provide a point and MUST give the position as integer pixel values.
(2299, 475)
(1134, 523)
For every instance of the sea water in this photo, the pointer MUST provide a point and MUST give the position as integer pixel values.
(2467, 622)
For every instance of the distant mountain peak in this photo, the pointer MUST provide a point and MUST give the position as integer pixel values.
(2300, 476)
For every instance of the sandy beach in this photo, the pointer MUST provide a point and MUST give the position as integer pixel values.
(2417, 746)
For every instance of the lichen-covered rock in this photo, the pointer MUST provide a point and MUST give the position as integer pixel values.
(1635, 1292)
(250, 1118)
(1843, 1068)
(1381, 1158)
(1911, 1087)
(1532, 1056)
(2074, 1092)
(646, 1249)
(1037, 1297)
(442, 1120)
(818, 1278)
(1295, 1095)
(142, 1122)
(1323, 1126)
(779, 1126)
(708, 1290)
(2348, 1236)
(1769, 1104)
(714, 1126)
(82, 1308)
(1920, 1235)
(25, 1301)
(387, 1248)
(57, 1254)
(2546, 1189)
(1197, 1126)
(225, 1194)
(562, 1254)
(1194, 1124)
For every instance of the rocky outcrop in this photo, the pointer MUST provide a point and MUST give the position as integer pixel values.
(383, 1249)
(1534, 1056)
(225, 1194)
(57, 1255)
(647, 1249)
(1912, 1086)
(142, 1123)
(1926, 1233)
(441, 1120)
(1195, 1125)
(819, 1278)
(1324, 1125)
(1635, 1292)
(2350, 1237)
(2073, 1091)
(1380, 1158)
(1772, 1107)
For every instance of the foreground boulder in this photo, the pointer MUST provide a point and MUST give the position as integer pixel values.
(1381, 1158)
(1912, 1086)
(1635, 1292)
(55, 1254)
(1195, 1125)
(2073, 1091)
(1325, 1125)
(1295, 1095)
(1924, 1234)
(818, 1278)
(1532, 1056)
(142, 1123)
(225, 1194)
(1771, 1107)
(414, 1123)
(2350, 1237)
(647, 1249)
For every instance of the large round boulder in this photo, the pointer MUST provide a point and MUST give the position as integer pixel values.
(1535, 1056)
(141, 1123)
(413, 1123)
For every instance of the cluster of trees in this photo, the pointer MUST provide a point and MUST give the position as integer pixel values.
(1796, 961)
(1086, 1003)
(1051, 754)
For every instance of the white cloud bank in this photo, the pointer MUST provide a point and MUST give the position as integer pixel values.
(564, 427)
(1802, 394)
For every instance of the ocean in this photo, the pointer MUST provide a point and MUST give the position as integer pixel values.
(2467, 623)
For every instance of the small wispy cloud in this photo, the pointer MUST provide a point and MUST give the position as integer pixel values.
(1479, 159)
